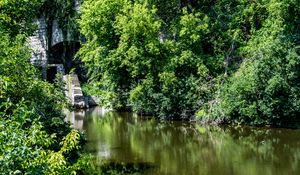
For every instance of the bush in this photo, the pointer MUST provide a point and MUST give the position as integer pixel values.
(34, 137)
(265, 90)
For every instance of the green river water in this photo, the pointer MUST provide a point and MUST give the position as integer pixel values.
(141, 145)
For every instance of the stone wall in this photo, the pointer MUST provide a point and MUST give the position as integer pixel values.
(49, 34)
(53, 50)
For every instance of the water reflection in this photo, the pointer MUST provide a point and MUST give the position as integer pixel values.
(184, 148)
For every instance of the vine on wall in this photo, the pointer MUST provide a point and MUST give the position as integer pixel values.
(65, 13)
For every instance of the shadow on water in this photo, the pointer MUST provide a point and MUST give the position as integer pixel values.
(127, 144)
(125, 168)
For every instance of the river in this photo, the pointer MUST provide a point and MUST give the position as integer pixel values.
(142, 145)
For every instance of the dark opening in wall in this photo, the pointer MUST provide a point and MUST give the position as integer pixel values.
(63, 53)
(51, 73)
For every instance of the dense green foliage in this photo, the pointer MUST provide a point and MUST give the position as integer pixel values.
(228, 61)
(34, 137)
(134, 64)
(16, 16)
(233, 61)
(265, 90)
(64, 12)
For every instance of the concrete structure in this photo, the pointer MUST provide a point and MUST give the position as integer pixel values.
(52, 48)
(74, 92)
(38, 44)
(53, 51)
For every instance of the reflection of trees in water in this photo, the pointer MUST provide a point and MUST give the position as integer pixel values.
(179, 148)
(267, 151)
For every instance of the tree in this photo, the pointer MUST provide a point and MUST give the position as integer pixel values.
(213, 57)
(16, 16)
(34, 138)
(265, 90)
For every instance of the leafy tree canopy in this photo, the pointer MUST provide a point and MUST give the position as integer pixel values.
(230, 61)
